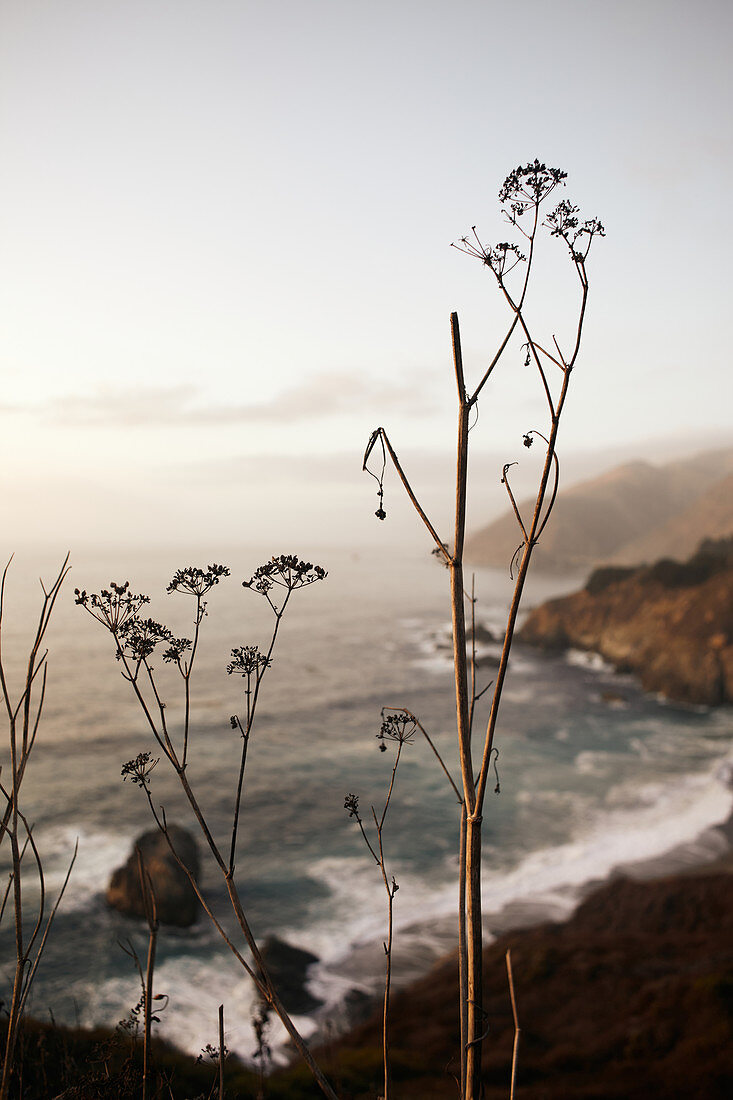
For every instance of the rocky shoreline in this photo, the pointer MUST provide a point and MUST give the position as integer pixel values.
(671, 624)
(631, 996)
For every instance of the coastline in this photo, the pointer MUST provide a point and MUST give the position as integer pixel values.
(629, 996)
(422, 945)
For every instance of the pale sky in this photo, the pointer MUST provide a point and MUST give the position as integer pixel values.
(224, 250)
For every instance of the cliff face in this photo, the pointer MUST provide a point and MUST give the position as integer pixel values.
(671, 624)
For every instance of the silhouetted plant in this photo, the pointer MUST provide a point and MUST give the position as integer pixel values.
(523, 196)
(135, 640)
(398, 726)
(24, 717)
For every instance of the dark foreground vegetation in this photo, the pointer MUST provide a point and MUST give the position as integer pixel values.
(631, 998)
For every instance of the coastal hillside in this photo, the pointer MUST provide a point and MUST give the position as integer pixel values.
(669, 623)
(636, 512)
(632, 997)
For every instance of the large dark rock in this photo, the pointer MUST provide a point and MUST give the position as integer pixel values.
(288, 968)
(175, 898)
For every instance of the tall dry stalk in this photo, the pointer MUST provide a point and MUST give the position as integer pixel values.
(523, 196)
(24, 717)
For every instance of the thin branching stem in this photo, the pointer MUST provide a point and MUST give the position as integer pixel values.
(515, 1016)
(523, 192)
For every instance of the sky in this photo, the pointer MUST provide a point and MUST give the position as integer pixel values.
(225, 231)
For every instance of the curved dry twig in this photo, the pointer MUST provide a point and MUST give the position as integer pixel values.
(505, 483)
(380, 433)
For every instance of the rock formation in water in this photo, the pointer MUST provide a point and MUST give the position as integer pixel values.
(175, 898)
(288, 968)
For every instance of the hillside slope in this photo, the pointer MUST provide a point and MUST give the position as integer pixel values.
(709, 516)
(630, 998)
(634, 512)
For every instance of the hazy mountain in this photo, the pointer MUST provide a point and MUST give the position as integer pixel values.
(709, 516)
(635, 512)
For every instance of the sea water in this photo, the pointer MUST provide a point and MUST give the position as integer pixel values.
(593, 776)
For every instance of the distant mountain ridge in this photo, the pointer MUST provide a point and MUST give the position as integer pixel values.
(632, 514)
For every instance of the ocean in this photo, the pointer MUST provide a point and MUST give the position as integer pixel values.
(596, 777)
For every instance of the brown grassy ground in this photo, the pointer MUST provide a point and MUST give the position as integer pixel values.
(631, 998)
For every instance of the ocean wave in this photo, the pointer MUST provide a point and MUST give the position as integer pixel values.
(582, 658)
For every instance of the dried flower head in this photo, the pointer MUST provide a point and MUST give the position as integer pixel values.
(399, 726)
(138, 638)
(176, 649)
(501, 258)
(248, 659)
(286, 571)
(139, 769)
(564, 222)
(529, 184)
(112, 607)
(351, 803)
(212, 1054)
(195, 581)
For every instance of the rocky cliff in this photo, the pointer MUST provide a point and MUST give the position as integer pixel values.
(670, 623)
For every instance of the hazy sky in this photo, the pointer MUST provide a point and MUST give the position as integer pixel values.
(224, 248)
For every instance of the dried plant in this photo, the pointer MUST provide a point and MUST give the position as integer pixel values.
(31, 927)
(398, 727)
(136, 640)
(523, 198)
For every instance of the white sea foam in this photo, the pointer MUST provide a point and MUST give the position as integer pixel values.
(639, 823)
(674, 820)
(194, 989)
(582, 658)
(99, 853)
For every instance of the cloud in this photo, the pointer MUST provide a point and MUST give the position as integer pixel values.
(322, 395)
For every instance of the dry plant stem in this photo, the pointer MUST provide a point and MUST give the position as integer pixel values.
(149, 972)
(462, 950)
(532, 535)
(406, 711)
(523, 192)
(258, 973)
(151, 916)
(221, 1052)
(387, 974)
(23, 726)
(390, 888)
(515, 1048)
(470, 969)
(252, 699)
(260, 976)
(411, 495)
